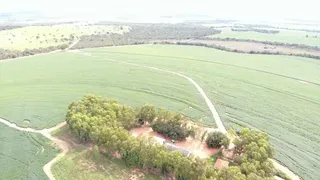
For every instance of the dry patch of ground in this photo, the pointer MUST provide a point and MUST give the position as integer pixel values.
(197, 147)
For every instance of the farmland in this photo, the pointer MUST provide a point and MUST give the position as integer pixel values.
(249, 90)
(23, 154)
(40, 88)
(51, 35)
(277, 94)
(284, 36)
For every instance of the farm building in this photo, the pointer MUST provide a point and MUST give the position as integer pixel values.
(171, 147)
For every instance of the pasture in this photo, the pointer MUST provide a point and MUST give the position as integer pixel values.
(81, 165)
(284, 36)
(276, 94)
(44, 36)
(23, 154)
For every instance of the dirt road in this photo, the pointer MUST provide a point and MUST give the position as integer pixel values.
(45, 132)
(210, 105)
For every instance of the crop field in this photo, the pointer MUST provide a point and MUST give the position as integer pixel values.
(44, 36)
(276, 94)
(284, 36)
(23, 154)
(80, 164)
(36, 91)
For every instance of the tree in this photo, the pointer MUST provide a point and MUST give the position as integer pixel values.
(217, 139)
(230, 173)
(146, 113)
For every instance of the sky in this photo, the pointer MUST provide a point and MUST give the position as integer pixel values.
(222, 9)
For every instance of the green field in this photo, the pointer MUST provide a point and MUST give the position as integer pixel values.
(44, 36)
(284, 36)
(80, 164)
(276, 94)
(23, 154)
(40, 88)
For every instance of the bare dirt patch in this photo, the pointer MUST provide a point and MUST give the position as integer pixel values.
(197, 147)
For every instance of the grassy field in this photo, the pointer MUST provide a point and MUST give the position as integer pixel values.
(44, 36)
(80, 164)
(277, 94)
(40, 88)
(284, 36)
(22, 155)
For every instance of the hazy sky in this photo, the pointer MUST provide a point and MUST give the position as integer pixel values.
(243, 9)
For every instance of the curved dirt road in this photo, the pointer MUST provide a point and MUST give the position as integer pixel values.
(64, 145)
(202, 93)
(215, 114)
(45, 132)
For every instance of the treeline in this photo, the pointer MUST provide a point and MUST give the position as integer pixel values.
(266, 31)
(8, 54)
(300, 46)
(104, 122)
(112, 39)
(9, 27)
(169, 31)
(145, 33)
(223, 48)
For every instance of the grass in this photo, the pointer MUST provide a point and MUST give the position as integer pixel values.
(284, 36)
(276, 94)
(22, 155)
(26, 37)
(80, 164)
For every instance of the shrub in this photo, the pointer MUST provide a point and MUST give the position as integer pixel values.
(217, 139)
(170, 129)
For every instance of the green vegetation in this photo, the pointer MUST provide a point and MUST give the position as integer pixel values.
(57, 79)
(172, 129)
(269, 93)
(284, 36)
(252, 151)
(34, 37)
(23, 154)
(96, 119)
(217, 139)
(80, 164)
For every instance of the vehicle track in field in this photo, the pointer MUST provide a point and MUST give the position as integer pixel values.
(215, 62)
(198, 87)
(63, 146)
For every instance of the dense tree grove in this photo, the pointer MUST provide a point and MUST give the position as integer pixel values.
(104, 122)
(266, 31)
(7, 54)
(99, 120)
(223, 48)
(217, 139)
(171, 129)
(146, 33)
(253, 151)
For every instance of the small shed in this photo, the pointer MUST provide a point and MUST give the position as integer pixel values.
(172, 147)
